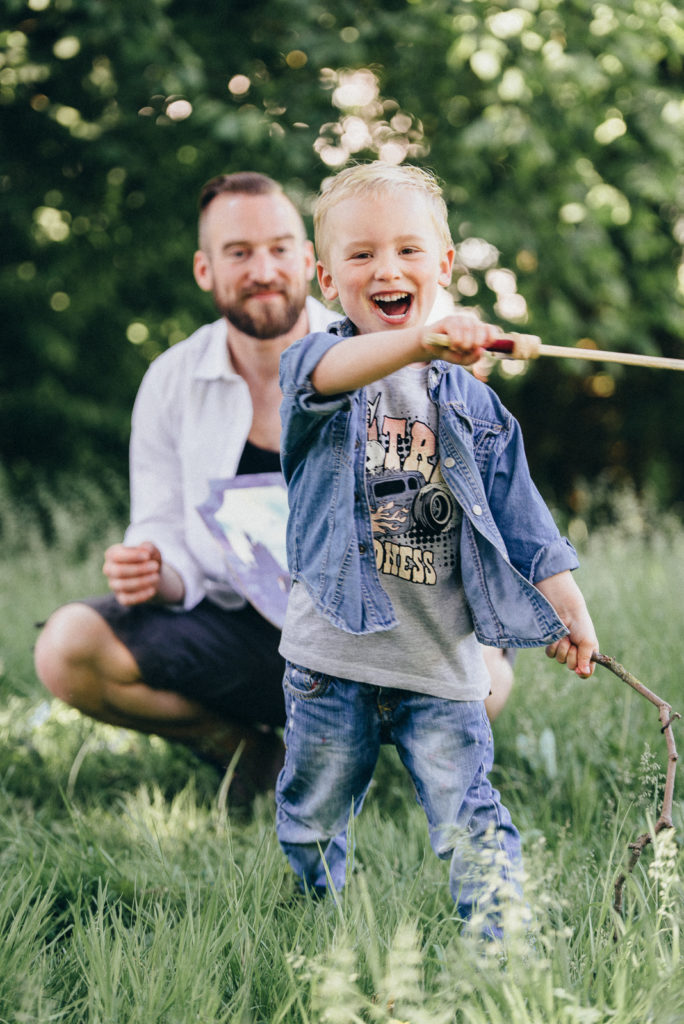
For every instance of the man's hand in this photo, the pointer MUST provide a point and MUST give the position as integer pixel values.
(134, 573)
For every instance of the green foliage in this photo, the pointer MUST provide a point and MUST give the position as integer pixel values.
(131, 891)
(557, 129)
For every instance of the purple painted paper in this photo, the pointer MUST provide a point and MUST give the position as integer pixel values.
(248, 515)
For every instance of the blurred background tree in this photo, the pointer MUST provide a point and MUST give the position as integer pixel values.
(557, 129)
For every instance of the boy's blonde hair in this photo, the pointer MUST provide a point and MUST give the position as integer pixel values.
(378, 176)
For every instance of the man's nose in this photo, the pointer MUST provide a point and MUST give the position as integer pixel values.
(262, 266)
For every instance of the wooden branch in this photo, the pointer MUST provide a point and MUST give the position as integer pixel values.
(529, 346)
(667, 717)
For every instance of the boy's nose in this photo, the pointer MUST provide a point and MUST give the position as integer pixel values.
(387, 270)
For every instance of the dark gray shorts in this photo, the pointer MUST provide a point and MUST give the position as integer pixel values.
(227, 661)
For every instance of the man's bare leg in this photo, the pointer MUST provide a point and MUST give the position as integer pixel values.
(81, 661)
(501, 675)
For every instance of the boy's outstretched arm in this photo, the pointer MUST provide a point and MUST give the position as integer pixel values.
(576, 649)
(364, 358)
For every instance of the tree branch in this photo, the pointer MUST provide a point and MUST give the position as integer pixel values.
(667, 717)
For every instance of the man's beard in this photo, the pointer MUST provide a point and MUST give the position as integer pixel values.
(267, 321)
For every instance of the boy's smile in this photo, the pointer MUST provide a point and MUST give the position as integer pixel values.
(384, 260)
(393, 304)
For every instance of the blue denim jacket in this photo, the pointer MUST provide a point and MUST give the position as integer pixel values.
(508, 539)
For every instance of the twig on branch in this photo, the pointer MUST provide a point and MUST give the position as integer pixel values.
(667, 717)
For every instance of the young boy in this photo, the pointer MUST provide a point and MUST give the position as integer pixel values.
(414, 531)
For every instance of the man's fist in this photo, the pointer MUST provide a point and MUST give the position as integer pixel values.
(134, 573)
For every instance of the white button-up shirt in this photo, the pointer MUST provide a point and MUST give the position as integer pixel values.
(191, 418)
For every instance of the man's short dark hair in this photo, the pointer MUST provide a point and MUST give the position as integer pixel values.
(246, 183)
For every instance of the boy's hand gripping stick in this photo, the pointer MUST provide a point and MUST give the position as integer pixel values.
(528, 346)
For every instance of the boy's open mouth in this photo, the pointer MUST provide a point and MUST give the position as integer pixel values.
(393, 304)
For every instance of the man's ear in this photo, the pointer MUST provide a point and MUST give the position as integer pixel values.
(201, 268)
(326, 283)
(446, 265)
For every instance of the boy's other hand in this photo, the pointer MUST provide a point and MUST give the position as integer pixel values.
(575, 649)
(576, 656)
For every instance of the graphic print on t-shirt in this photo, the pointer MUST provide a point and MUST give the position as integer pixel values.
(414, 516)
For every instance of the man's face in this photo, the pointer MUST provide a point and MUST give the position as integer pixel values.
(384, 260)
(255, 261)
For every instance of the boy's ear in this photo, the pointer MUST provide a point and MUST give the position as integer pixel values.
(446, 266)
(326, 283)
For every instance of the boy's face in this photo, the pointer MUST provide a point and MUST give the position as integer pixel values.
(385, 259)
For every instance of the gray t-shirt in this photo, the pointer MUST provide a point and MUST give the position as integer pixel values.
(416, 533)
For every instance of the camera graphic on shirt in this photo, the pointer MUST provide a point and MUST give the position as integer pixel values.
(397, 498)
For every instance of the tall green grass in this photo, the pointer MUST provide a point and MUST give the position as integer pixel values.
(131, 890)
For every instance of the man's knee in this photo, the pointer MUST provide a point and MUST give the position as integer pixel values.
(68, 634)
(72, 650)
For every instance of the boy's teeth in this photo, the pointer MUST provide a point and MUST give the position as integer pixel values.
(393, 303)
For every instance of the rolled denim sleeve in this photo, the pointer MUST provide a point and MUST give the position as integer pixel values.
(297, 363)
(555, 557)
(302, 408)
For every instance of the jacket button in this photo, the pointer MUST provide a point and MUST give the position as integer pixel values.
(477, 510)
(362, 549)
(449, 462)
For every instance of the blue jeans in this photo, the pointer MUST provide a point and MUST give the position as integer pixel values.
(333, 735)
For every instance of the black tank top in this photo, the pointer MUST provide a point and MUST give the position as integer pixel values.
(258, 460)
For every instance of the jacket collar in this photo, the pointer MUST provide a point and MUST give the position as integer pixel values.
(343, 328)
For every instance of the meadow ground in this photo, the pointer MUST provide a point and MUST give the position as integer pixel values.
(131, 891)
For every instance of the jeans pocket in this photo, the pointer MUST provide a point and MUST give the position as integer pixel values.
(303, 683)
